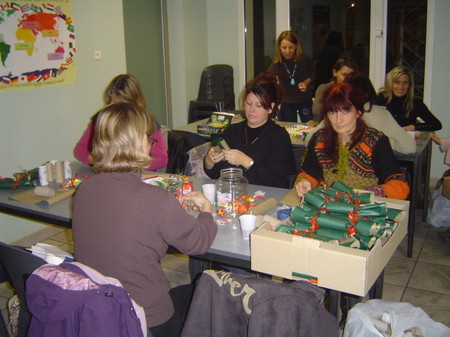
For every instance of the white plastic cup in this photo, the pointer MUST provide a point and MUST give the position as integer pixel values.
(248, 225)
(209, 190)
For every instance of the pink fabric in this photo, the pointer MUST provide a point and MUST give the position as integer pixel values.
(158, 151)
(64, 278)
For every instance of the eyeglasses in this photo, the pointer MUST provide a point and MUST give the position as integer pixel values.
(151, 140)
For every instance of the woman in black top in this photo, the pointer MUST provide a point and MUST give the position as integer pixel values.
(258, 145)
(397, 96)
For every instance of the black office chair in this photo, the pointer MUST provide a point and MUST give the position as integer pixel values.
(216, 92)
(19, 264)
(179, 143)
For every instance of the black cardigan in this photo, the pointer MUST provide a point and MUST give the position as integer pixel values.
(272, 155)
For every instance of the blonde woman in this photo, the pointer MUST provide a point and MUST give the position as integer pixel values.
(122, 227)
(295, 72)
(397, 96)
(123, 88)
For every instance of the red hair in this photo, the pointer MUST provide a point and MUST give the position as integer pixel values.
(342, 96)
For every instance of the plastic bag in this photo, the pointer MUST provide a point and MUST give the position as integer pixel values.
(403, 317)
(438, 210)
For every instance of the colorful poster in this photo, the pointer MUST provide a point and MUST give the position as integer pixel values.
(37, 44)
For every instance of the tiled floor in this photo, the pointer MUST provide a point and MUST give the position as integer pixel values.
(423, 280)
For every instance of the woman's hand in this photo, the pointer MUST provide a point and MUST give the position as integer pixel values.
(236, 157)
(213, 157)
(409, 128)
(434, 137)
(303, 186)
(197, 199)
(303, 86)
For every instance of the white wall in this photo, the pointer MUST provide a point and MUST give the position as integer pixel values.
(440, 81)
(44, 124)
(201, 33)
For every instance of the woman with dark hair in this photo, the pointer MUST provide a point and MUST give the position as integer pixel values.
(397, 96)
(295, 73)
(258, 145)
(348, 151)
(341, 69)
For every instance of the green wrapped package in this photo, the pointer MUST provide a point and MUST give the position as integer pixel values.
(20, 179)
(332, 222)
(284, 229)
(396, 215)
(365, 198)
(342, 187)
(367, 227)
(367, 242)
(372, 210)
(331, 233)
(302, 227)
(339, 207)
(300, 215)
(314, 199)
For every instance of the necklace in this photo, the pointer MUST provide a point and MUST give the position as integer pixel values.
(289, 73)
(246, 137)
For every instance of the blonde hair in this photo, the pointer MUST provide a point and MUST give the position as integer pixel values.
(292, 38)
(125, 88)
(119, 134)
(393, 75)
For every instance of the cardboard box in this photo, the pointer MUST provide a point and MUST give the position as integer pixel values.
(335, 267)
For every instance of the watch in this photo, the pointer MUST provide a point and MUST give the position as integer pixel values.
(250, 164)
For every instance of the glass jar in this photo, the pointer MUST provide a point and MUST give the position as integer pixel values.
(231, 192)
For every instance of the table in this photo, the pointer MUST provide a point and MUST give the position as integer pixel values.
(413, 162)
(228, 246)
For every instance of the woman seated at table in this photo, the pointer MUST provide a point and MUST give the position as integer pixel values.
(123, 88)
(122, 226)
(397, 96)
(348, 151)
(377, 117)
(258, 145)
(341, 69)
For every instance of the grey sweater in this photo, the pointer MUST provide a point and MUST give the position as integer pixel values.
(122, 228)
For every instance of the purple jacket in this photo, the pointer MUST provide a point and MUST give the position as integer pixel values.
(68, 303)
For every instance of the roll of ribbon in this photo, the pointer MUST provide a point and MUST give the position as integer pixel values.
(44, 191)
(43, 178)
(50, 172)
(67, 170)
(59, 172)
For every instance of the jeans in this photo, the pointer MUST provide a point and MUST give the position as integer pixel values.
(289, 112)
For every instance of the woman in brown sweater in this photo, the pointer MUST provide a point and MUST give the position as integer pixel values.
(122, 227)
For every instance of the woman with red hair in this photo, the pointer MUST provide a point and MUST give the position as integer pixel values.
(348, 151)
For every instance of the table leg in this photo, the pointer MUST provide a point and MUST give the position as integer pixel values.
(335, 302)
(412, 205)
(426, 181)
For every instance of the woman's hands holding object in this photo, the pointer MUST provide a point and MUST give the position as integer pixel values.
(196, 199)
(236, 157)
(303, 186)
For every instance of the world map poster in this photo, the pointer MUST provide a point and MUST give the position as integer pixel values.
(37, 44)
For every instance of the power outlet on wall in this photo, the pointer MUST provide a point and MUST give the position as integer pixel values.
(97, 55)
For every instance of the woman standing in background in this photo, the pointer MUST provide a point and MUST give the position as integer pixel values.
(295, 72)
